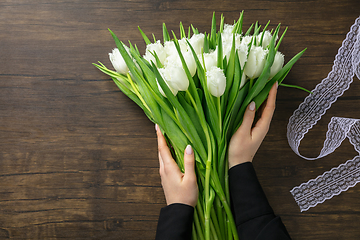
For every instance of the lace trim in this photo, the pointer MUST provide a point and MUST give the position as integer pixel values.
(327, 185)
(346, 65)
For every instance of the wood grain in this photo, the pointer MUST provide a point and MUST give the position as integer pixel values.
(78, 159)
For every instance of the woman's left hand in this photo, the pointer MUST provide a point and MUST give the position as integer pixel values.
(178, 187)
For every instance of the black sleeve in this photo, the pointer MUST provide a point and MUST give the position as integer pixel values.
(175, 222)
(253, 215)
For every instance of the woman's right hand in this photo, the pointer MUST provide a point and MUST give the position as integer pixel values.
(247, 139)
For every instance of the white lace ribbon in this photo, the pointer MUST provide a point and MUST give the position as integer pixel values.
(341, 178)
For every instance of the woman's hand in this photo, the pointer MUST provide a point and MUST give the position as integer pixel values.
(178, 187)
(246, 141)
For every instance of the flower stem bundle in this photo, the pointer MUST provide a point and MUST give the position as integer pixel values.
(196, 88)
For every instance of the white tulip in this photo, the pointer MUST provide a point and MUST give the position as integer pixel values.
(255, 62)
(190, 62)
(164, 74)
(228, 29)
(277, 65)
(243, 80)
(210, 60)
(173, 58)
(197, 42)
(155, 47)
(227, 38)
(162, 91)
(243, 50)
(170, 48)
(176, 77)
(176, 61)
(216, 81)
(118, 61)
(227, 45)
(246, 40)
(183, 44)
(266, 39)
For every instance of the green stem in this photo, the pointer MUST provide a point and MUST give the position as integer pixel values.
(197, 223)
(214, 219)
(229, 236)
(222, 161)
(209, 192)
(208, 205)
(213, 231)
(193, 232)
(208, 196)
(207, 200)
(220, 216)
(217, 187)
(251, 83)
(226, 227)
(200, 210)
(220, 115)
(226, 178)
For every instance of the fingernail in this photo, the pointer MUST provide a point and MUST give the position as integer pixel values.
(277, 84)
(156, 127)
(252, 106)
(188, 150)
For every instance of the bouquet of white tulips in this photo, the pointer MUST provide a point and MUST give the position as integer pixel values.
(196, 88)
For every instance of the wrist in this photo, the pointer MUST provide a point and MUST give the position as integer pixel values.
(238, 163)
(233, 161)
(189, 202)
(180, 204)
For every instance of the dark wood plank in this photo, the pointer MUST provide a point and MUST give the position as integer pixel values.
(78, 159)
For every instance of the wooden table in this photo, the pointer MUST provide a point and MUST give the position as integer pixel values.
(78, 159)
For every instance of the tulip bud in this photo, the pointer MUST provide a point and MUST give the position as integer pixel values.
(183, 45)
(244, 79)
(210, 60)
(228, 29)
(216, 81)
(266, 39)
(173, 57)
(277, 65)
(176, 61)
(176, 77)
(227, 40)
(165, 76)
(243, 50)
(118, 61)
(190, 62)
(246, 40)
(197, 42)
(162, 91)
(170, 48)
(255, 62)
(155, 47)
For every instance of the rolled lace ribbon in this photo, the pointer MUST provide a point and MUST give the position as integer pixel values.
(309, 112)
